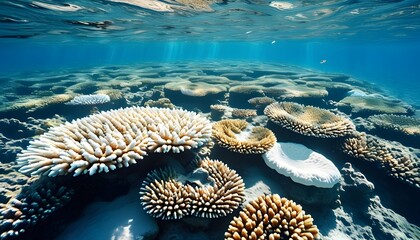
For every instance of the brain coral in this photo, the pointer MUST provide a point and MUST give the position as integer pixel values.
(211, 191)
(396, 160)
(309, 121)
(238, 136)
(272, 217)
(302, 165)
(113, 139)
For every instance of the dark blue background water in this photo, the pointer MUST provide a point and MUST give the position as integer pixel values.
(393, 65)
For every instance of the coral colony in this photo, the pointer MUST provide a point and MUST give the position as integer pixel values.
(222, 150)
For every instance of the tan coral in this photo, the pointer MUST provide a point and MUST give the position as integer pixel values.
(113, 139)
(397, 123)
(164, 197)
(396, 161)
(196, 89)
(161, 102)
(31, 105)
(272, 217)
(309, 121)
(261, 101)
(239, 136)
(243, 113)
(166, 194)
(223, 197)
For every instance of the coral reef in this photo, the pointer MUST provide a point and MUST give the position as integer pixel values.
(396, 123)
(239, 136)
(272, 217)
(374, 104)
(212, 190)
(396, 161)
(309, 121)
(302, 165)
(113, 139)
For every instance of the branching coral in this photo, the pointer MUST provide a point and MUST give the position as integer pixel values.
(30, 206)
(309, 121)
(238, 136)
(113, 139)
(166, 194)
(272, 217)
(397, 163)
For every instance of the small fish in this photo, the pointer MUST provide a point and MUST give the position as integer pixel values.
(248, 32)
(323, 61)
(274, 41)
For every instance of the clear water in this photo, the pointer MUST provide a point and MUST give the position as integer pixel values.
(375, 45)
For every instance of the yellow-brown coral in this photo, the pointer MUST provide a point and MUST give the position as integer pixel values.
(261, 101)
(309, 121)
(243, 113)
(166, 194)
(397, 123)
(272, 217)
(238, 136)
(397, 163)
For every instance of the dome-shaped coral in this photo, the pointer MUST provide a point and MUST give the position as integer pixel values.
(238, 136)
(113, 139)
(272, 217)
(309, 121)
(302, 165)
(166, 194)
(397, 161)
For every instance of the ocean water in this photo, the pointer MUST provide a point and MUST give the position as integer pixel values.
(315, 101)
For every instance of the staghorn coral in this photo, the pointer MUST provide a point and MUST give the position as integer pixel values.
(396, 161)
(397, 123)
(113, 139)
(238, 136)
(309, 121)
(272, 217)
(91, 99)
(210, 191)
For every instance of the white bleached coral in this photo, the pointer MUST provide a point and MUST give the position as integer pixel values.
(91, 99)
(113, 139)
(302, 165)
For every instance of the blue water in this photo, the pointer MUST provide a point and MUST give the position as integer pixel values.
(392, 65)
(74, 45)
